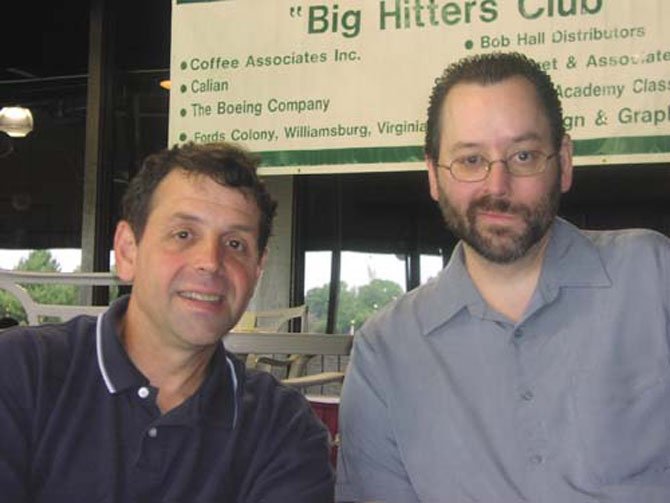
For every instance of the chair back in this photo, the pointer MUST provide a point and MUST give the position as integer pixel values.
(14, 281)
(273, 320)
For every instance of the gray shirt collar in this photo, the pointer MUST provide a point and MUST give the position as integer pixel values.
(571, 260)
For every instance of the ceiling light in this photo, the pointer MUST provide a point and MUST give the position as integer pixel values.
(17, 122)
(165, 84)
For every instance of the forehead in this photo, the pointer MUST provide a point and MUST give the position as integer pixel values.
(197, 193)
(486, 113)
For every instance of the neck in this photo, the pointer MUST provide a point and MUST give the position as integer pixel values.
(507, 288)
(177, 373)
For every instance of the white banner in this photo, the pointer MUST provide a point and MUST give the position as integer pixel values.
(336, 86)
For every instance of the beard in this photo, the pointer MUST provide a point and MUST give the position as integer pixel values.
(499, 244)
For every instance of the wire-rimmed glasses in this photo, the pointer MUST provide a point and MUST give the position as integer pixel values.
(476, 167)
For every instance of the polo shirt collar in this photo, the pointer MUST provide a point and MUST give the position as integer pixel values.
(118, 372)
(218, 399)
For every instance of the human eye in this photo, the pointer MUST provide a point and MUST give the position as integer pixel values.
(472, 161)
(182, 234)
(236, 244)
(525, 157)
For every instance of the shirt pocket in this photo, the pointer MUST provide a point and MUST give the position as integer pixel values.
(623, 422)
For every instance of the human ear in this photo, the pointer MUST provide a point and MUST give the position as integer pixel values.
(125, 251)
(433, 181)
(565, 163)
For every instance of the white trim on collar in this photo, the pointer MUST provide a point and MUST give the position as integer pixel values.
(112, 389)
(98, 349)
(233, 378)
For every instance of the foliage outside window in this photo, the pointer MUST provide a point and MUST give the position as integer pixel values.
(41, 261)
(356, 304)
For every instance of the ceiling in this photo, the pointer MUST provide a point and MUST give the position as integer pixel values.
(47, 71)
(56, 40)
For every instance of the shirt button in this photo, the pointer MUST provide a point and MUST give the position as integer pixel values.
(143, 392)
(536, 459)
(527, 395)
(153, 432)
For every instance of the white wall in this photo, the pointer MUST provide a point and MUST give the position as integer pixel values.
(272, 290)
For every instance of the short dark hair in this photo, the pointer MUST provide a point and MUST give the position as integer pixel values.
(8, 321)
(490, 69)
(227, 164)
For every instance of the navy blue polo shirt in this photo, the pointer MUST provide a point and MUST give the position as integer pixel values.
(79, 422)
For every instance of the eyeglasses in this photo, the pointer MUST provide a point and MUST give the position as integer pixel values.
(475, 167)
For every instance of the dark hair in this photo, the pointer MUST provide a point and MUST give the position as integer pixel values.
(227, 164)
(491, 69)
(8, 321)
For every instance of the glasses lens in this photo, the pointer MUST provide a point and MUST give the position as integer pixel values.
(526, 162)
(469, 169)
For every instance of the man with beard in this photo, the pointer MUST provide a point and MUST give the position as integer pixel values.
(536, 366)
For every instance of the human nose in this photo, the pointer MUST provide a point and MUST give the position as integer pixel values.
(207, 255)
(498, 179)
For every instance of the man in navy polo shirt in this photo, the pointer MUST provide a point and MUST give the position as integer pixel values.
(144, 403)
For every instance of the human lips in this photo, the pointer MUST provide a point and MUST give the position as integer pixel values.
(201, 296)
(501, 210)
(502, 216)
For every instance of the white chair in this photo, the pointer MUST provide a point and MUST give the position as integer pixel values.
(12, 282)
(275, 320)
(272, 320)
(295, 344)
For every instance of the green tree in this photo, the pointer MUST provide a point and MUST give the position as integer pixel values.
(38, 261)
(374, 296)
(10, 306)
(317, 305)
(355, 304)
(347, 310)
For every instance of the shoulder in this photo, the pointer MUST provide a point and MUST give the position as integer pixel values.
(627, 237)
(267, 401)
(283, 447)
(639, 245)
(35, 364)
(45, 347)
(75, 331)
(403, 319)
(633, 259)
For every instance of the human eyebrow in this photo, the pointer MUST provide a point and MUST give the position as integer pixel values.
(235, 229)
(181, 217)
(530, 136)
(184, 217)
(464, 145)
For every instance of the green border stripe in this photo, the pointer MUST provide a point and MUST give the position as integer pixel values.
(342, 156)
(624, 145)
(378, 155)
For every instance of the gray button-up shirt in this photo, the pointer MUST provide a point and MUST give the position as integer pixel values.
(447, 400)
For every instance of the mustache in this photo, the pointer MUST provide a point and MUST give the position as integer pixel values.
(497, 204)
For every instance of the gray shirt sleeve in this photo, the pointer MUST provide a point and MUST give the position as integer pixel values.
(369, 466)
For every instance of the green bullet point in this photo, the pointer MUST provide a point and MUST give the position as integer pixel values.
(182, 137)
(183, 88)
(182, 112)
(183, 65)
(469, 44)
